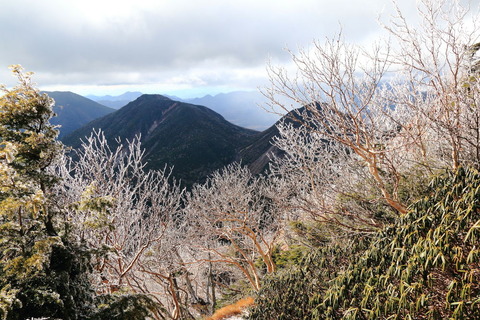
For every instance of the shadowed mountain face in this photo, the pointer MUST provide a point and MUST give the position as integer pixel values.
(257, 154)
(192, 138)
(74, 111)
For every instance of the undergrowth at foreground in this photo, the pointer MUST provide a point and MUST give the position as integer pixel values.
(425, 266)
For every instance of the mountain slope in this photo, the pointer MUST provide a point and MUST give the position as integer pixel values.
(257, 154)
(192, 138)
(238, 107)
(74, 111)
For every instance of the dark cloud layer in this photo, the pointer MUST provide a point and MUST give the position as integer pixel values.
(145, 42)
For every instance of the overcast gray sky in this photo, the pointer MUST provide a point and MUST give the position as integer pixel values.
(183, 47)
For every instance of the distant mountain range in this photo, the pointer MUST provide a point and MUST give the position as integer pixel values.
(74, 111)
(115, 102)
(243, 108)
(192, 138)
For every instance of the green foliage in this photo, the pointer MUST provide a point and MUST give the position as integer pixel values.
(312, 234)
(124, 307)
(233, 292)
(28, 140)
(60, 290)
(425, 266)
(359, 207)
(413, 183)
(289, 257)
(44, 271)
(287, 294)
(284, 258)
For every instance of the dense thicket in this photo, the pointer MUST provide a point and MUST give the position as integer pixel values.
(425, 266)
(45, 269)
(42, 271)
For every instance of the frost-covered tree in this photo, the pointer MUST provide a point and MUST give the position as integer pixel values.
(234, 221)
(364, 140)
(339, 86)
(127, 213)
(47, 260)
(316, 180)
(435, 63)
(391, 113)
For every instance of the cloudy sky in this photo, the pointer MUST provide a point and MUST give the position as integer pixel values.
(183, 47)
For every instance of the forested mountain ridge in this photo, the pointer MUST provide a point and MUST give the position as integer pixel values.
(74, 111)
(258, 154)
(193, 139)
(241, 108)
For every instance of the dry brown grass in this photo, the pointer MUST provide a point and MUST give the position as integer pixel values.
(232, 309)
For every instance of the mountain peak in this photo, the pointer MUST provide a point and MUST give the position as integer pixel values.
(193, 139)
(152, 97)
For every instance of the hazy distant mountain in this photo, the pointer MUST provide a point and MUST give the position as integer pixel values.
(74, 111)
(242, 108)
(116, 102)
(192, 138)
